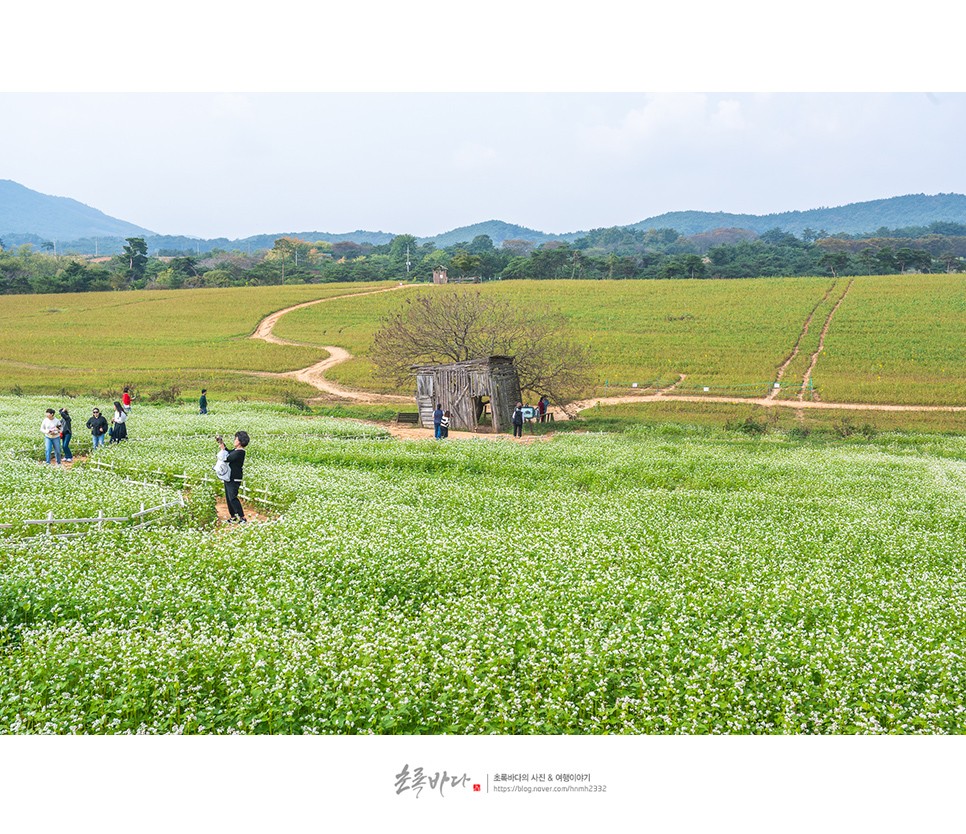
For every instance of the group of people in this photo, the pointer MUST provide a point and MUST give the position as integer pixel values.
(57, 429)
(522, 413)
(441, 422)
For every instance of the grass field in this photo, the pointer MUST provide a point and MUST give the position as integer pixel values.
(752, 418)
(898, 339)
(153, 340)
(730, 335)
(671, 579)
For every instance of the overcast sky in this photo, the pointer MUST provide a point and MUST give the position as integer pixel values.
(239, 164)
(458, 143)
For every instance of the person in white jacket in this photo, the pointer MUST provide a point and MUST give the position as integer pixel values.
(51, 428)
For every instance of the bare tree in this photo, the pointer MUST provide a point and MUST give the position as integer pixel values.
(461, 325)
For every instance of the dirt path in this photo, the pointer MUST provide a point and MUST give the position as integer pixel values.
(651, 398)
(221, 505)
(314, 375)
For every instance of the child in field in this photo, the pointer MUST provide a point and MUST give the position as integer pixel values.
(444, 424)
(203, 402)
(126, 400)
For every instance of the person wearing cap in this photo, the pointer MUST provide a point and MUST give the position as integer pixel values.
(98, 426)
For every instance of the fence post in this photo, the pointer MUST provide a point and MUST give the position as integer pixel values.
(100, 519)
(50, 521)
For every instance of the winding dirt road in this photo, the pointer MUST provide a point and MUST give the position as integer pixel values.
(314, 375)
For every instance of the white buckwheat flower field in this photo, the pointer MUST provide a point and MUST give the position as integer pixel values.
(665, 580)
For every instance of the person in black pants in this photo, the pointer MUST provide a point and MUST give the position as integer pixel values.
(66, 435)
(235, 460)
(517, 420)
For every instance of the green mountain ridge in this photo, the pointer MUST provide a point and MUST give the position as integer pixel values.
(28, 216)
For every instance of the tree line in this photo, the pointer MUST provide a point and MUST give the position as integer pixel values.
(613, 253)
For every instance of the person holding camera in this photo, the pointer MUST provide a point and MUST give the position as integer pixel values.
(235, 460)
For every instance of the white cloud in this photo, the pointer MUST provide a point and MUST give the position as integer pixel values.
(473, 156)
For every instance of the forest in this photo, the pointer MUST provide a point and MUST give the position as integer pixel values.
(611, 253)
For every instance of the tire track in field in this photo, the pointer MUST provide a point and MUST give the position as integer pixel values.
(821, 345)
(773, 393)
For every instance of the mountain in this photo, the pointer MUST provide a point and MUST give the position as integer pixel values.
(497, 230)
(27, 216)
(854, 218)
(24, 211)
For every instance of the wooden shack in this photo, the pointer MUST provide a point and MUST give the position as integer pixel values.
(440, 276)
(477, 393)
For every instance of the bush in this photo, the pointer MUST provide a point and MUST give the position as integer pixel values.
(165, 395)
(749, 426)
(847, 428)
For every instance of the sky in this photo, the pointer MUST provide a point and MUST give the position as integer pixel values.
(221, 120)
(237, 164)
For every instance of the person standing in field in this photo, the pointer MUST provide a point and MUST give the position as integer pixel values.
(126, 400)
(98, 426)
(444, 424)
(51, 428)
(438, 421)
(203, 402)
(118, 423)
(235, 460)
(542, 407)
(65, 435)
(517, 420)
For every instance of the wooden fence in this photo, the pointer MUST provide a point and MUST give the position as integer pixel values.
(183, 480)
(151, 477)
(137, 520)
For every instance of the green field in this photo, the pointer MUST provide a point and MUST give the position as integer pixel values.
(667, 580)
(152, 340)
(730, 335)
(898, 339)
(894, 339)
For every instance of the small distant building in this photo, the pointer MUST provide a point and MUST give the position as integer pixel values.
(477, 392)
(440, 277)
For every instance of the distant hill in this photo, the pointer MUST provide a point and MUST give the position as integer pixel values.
(24, 211)
(28, 216)
(854, 218)
(497, 230)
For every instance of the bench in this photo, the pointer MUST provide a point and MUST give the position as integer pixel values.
(408, 417)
